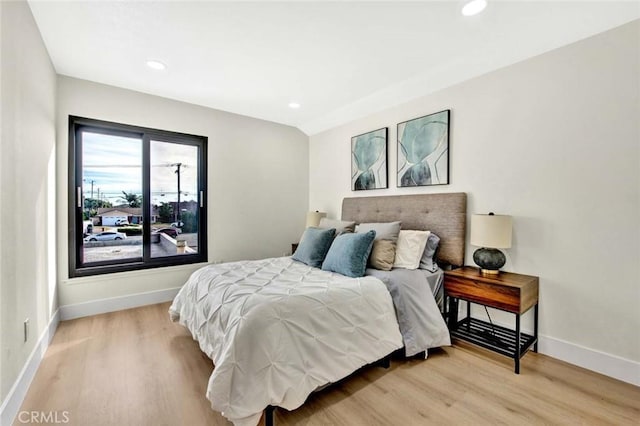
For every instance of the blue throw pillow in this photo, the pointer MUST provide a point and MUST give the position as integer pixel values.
(313, 246)
(349, 253)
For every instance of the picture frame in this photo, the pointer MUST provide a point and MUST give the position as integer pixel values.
(423, 150)
(369, 168)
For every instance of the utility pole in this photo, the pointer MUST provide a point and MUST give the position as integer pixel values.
(92, 182)
(177, 172)
(88, 206)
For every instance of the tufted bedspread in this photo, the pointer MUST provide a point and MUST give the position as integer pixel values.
(277, 329)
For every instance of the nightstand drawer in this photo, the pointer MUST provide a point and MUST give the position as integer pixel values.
(496, 296)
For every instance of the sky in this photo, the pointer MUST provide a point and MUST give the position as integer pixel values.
(114, 164)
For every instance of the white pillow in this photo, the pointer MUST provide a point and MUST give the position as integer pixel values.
(410, 248)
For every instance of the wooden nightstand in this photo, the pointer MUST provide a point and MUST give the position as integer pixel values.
(506, 291)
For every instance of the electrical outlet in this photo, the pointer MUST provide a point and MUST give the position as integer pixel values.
(26, 330)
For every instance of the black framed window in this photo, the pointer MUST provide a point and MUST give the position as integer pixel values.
(137, 197)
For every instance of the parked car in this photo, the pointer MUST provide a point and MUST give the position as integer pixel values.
(106, 236)
(172, 232)
(122, 222)
(177, 224)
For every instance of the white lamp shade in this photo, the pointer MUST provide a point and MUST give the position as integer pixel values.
(313, 218)
(491, 230)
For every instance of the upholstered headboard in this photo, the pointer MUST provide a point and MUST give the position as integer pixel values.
(443, 214)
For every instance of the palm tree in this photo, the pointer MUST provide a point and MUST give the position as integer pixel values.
(134, 200)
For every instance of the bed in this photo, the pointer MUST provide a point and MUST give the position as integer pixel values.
(277, 329)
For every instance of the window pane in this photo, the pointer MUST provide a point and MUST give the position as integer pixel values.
(174, 199)
(112, 197)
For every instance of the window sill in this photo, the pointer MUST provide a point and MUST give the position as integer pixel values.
(87, 279)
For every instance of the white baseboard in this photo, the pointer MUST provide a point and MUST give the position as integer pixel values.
(114, 304)
(15, 397)
(614, 366)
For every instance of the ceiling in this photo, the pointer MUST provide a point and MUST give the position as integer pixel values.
(340, 60)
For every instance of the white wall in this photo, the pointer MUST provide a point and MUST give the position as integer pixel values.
(27, 184)
(257, 182)
(553, 141)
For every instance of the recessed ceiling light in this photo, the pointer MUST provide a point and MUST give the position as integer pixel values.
(474, 7)
(156, 65)
(294, 105)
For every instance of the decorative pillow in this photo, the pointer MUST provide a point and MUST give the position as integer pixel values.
(410, 249)
(428, 262)
(382, 255)
(349, 253)
(313, 246)
(384, 231)
(341, 226)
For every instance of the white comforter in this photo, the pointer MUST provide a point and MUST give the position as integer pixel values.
(277, 329)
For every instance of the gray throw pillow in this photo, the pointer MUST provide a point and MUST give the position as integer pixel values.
(349, 253)
(313, 246)
(384, 231)
(341, 226)
(428, 262)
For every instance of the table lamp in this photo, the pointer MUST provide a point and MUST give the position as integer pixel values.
(313, 218)
(490, 232)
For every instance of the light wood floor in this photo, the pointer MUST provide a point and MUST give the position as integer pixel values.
(135, 367)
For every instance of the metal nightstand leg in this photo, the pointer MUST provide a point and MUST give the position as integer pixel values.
(535, 327)
(453, 313)
(517, 355)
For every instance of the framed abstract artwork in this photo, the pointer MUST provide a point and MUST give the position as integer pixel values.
(369, 160)
(423, 150)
